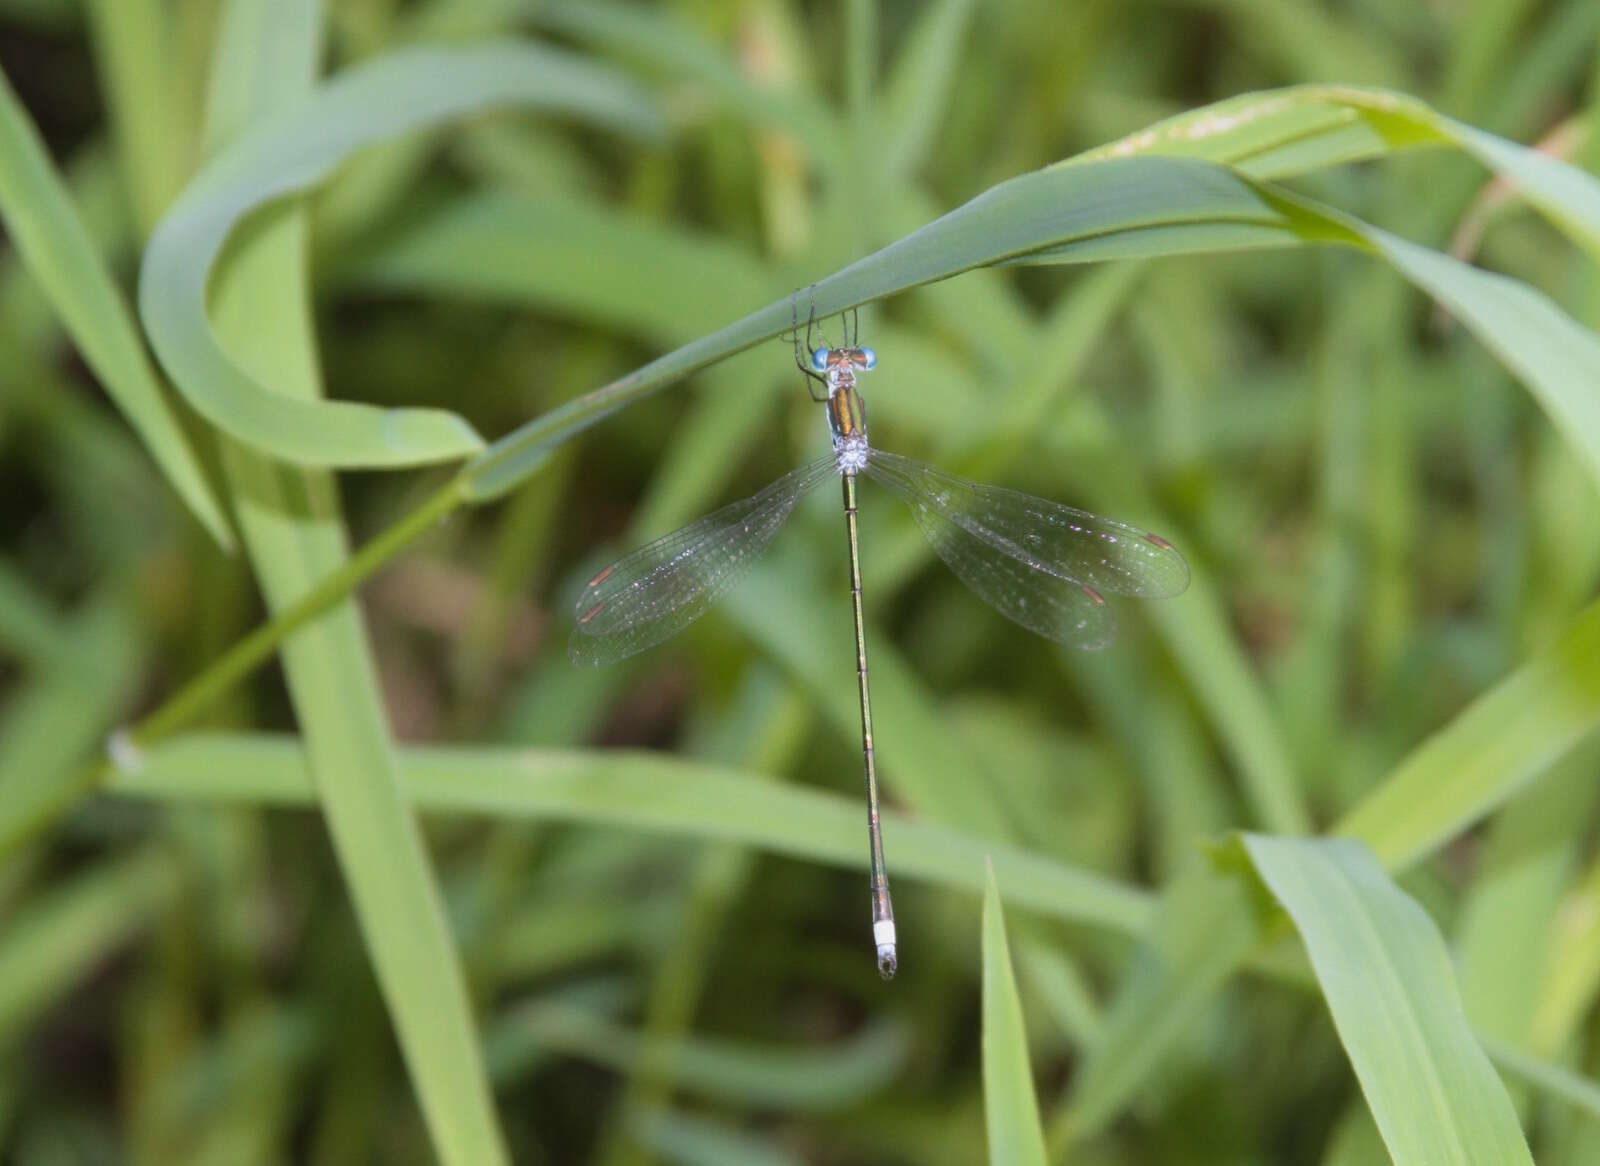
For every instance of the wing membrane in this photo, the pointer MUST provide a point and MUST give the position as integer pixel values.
(1046, 566)
(662, 588)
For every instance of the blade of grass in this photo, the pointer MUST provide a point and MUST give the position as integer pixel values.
(1506, 918)
(1120, 207)
(505, 247)
(405, 92)
(918, 87)
(1201, 934)
(47, 948)
(154, 127)
(801, 1080)
(1502, 741)
(295, 535)
(644, 791)
(662, 45)
(1572, 979)
(30, 629)
(58, 715)
(59, 252)
(1555, 1081)
(1010, 1110)
(1386, 975)
(697, 1141)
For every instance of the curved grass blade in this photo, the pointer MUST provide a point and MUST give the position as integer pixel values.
(294, 531)
(1122, 207)
(1010, 1110)
(59, 252)
(405, 92)
(1017, 219)
(1282, 132)
(1386, 975)
(663, 587)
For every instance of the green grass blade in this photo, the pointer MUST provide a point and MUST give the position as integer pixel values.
(1282, 132)
(1026, 216)
(1503, 933)
(696, 1141)
(30, 629)
(1124, 207)
(51, 721)
(502, 247)
(1010, 1110)
(1202, 933)
(61, 936)
(152, 123)
(917, 90)
(646, 791)
(1555, 1081)
(1572, 977)
(803, 1080)
(1197, 629)
(672, 47)
(57, 248)
(295, 535)
(1552, 355)
(1503, 741)
(1387, 978)
(406, 92)
(1506, 738)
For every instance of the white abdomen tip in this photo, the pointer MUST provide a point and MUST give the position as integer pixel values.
(883, 936)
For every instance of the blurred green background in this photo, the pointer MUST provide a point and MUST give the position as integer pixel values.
(1383, 525)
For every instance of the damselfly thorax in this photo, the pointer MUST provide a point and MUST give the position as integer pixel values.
(847, 411)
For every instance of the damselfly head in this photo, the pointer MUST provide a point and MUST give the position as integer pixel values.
(828, 359)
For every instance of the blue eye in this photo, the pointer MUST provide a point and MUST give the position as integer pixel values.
(819, 360)
(869, 358)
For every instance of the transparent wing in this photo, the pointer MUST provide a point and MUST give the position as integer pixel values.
(1044, 565)
(662, 588)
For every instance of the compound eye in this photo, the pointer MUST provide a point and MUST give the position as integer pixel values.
(819, 359)
(869, 358)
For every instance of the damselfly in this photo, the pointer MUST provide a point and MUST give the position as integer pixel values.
(1046, 566)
